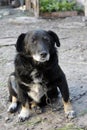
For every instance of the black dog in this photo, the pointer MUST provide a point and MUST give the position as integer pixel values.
(37, 73)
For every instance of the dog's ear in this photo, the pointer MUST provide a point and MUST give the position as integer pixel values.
(54, 37)
(20, 43)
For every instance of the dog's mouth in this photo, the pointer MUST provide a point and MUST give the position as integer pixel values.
(41, 57)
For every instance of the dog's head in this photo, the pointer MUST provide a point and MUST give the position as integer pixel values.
(39, 44)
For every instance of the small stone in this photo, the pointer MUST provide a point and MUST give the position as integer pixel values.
(0, 16)
(55, 127)
(6, 13)
(32, 128)
(84, 19)
(0, 117)
(7, 120)
(81, 86)
(27, 129)
(45, 118)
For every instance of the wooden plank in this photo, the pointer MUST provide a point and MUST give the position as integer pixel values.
(28, 4)
(85, 7)
(35, 6)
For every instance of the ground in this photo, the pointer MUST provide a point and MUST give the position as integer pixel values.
(72, 32)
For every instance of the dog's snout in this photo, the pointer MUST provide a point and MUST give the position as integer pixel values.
(43, 54)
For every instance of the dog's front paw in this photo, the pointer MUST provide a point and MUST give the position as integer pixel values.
(70, 114)
(24, 115)
(13, 107)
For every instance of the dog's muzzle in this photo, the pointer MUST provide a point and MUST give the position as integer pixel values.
(41, 57)
(43, 54)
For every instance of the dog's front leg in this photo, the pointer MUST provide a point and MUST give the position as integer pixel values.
(24, 113)
(23, 98)
(62, 84)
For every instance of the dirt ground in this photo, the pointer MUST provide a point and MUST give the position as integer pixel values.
(72, 32)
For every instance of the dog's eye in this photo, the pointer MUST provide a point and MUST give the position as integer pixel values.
(34, 40)
(47, 39)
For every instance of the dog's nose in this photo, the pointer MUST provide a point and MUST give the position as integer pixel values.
(43, 54)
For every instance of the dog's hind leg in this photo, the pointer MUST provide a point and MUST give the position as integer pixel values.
(12, 85)
(62, 84)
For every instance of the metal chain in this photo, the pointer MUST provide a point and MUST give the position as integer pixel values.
(48, 100)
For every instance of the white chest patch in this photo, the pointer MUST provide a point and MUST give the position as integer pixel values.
(36, 92)
(36, 79)
(36, 89)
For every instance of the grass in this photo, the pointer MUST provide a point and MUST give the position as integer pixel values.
(32, 122)
(69, 127)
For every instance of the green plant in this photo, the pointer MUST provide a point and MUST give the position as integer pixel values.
(48, 5)
(58, 5)
(79, 8)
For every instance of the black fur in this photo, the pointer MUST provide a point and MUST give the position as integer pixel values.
(50, 71)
